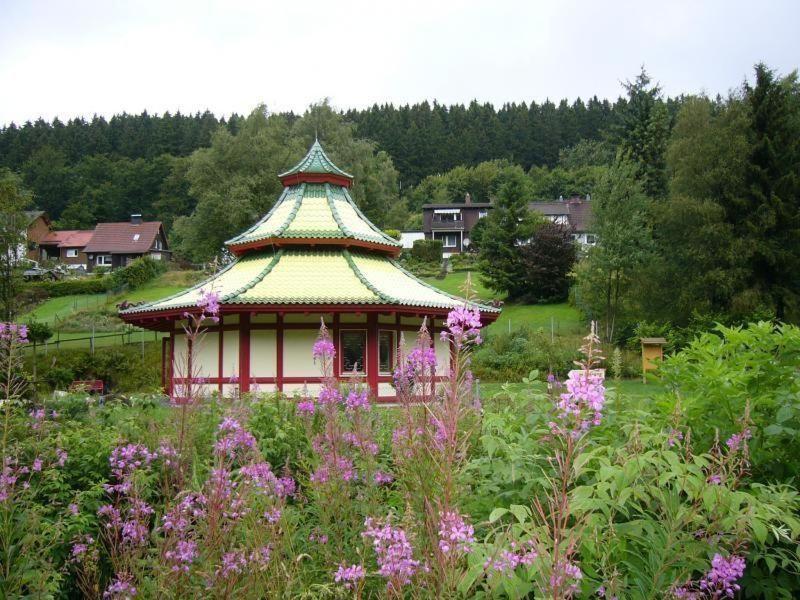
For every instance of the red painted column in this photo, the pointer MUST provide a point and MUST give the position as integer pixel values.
(244, 352)
(220, 369)
(279, 352)
(171, 384)
(372, 353)
(335, 337)
(164, 378)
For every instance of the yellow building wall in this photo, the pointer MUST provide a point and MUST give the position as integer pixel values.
(297, 358)
(263, 353)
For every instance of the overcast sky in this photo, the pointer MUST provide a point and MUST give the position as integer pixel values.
(74, 58)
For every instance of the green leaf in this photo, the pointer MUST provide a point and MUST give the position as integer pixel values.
(520, 512)
(759, 530)
(497, 514)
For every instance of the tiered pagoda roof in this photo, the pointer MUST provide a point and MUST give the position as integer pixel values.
(313, 249)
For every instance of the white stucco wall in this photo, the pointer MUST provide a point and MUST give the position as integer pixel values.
(263, 353)
(297, 358)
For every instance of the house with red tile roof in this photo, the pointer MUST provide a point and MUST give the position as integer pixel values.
(66, 246)
(115, 245)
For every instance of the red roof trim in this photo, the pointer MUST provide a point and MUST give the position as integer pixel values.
(296, 178)
(153, 319)
(239, 249)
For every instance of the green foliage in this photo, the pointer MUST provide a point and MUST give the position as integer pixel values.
(547, 260)
(14, 199)
(509, 223)
(265, 145)
(281, 433)
(137, 273)
(510, 356)
(427, 251)
(38, 332)
(464, 261)
(720, 374)
(122, 368)
(609, 274)
(393, 233)
(68, 287)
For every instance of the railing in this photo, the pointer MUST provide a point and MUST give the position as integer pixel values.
(436, 225)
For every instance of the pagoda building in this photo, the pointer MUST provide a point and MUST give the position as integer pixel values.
(313, 256)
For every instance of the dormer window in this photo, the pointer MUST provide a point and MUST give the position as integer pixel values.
(135, 237)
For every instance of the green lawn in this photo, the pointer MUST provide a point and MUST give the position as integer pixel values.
(62, 306)
(633, 389)
(564, 319)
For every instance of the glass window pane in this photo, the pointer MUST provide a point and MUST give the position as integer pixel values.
(354, 346)
(385, 350)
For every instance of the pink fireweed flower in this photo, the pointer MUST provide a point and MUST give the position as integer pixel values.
(209, 304)
(305, 407)
(464, 325)
(714, 479)
(357, 400)
(233, 563)
(61, 457)
(721, 579)
(323, 348)
(581, 406)
(735, 442)
(675, 435)
(567, 574)
(349, 575)
(393, 551)
(234, 439)
(509, 559)
(37, 464)
(126, 460)
(121, 588)
(329, 395)
(455, 535)
(260, 557)
(73, 509)
(381, 478)
(181, 558)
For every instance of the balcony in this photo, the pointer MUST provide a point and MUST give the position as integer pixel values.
(447, 225)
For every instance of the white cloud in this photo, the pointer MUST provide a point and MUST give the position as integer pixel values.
(69, 59)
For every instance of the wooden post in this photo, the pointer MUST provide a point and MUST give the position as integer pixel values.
(244, 352)
(372, 353)
(279, 351)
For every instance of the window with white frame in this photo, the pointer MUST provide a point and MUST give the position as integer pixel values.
(71, 253)
(484, 212)
(386, 351)
(103, 260)
(449, 240)
(447, 214)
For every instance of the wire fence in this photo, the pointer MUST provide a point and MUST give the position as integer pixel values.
(95, 341)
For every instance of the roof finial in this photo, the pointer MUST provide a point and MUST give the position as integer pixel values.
(316, 135)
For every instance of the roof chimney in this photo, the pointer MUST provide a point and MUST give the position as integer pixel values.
(136, 219)
(467, 198)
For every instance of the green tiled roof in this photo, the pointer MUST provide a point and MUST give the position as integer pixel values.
(316, 161)
(294, 276)
(315, 210)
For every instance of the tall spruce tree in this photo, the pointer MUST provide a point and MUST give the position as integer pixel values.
(508, 224)
(770, 216)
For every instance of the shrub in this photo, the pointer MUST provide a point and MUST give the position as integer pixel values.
(120, 367)
(510, 356)
(138, 272)
(721, 374)
(427, 250)
(393, 233)
(464, 261)
(68, 287)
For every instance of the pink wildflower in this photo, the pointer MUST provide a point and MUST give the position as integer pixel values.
(454, 534)
(349, 575)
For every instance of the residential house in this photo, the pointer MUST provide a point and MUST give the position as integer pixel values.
(575, 212)
(452, 223)
(117, 244)
(36, 229)
(66, 247)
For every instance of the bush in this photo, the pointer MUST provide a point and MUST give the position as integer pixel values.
(510, 356)
(120, 367)
(427, 250)
(720, 374)
(139, 272)
(68, 287)
(393, 233)
(464, 261)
